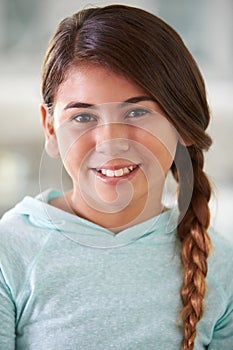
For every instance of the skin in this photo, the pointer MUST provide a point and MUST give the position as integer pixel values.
(92, 130)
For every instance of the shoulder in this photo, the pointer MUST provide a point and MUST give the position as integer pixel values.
(221, 262)
(222, 248)
(26, 228)
(17, 227)
(20, 239)
(21, 244)
(27, 222)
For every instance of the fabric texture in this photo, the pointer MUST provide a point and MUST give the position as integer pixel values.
(68, 284)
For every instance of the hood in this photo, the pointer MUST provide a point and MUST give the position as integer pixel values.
(42, 215)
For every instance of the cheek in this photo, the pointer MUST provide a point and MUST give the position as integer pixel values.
(164, 154)
(74, 148)
(161, 146)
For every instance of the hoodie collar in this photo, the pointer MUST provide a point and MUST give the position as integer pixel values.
(45, 216)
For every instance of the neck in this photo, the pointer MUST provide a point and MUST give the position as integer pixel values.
(135, 212)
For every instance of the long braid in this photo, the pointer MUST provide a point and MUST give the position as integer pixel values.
(196, 245)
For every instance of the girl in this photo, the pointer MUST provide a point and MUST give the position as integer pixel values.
(107, 265)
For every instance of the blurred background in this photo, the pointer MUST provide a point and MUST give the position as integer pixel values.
(25, 29)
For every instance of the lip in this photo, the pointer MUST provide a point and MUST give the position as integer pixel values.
(115, 179)
(116, 164)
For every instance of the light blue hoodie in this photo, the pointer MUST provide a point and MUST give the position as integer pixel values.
(69, 284)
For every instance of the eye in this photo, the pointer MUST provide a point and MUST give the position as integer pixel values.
(84, 118)
(138, 112)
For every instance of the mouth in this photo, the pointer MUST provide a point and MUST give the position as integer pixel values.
(111, 175)
(117, 172)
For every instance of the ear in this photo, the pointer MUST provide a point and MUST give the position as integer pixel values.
(51, 145)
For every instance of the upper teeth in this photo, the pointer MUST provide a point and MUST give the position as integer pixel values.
(118, 172)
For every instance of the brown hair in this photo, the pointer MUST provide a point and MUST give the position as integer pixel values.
(145, 49)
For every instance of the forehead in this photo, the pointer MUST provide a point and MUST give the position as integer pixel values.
(96, 85)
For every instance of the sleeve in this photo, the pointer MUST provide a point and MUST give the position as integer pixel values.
(223, 331)
(7, 317)
(220, 270)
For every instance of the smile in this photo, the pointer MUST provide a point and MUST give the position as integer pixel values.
(117, 172)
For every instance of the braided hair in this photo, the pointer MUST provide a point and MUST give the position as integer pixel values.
(196, 246)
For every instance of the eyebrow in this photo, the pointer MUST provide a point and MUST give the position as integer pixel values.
(89, 105)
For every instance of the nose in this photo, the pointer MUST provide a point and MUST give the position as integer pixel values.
(112, 139)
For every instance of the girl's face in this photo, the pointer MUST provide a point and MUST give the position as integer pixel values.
(115, 142)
